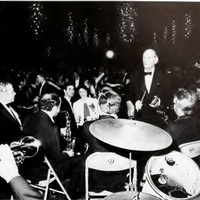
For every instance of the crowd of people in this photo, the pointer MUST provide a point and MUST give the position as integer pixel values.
(59, 111)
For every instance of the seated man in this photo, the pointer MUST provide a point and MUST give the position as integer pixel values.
(186, 127)
(109, 103)
(9, 172)
(41, 126)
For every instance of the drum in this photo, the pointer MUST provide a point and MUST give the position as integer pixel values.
(128, 195)
(172, 176)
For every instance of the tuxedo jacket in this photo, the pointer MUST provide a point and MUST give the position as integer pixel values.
(61, 120)
(184, 129)
(40, 126)
(9, 127)
(159, 87)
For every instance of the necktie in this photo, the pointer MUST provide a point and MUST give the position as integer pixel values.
(86, 111)
(147, 73)
(14, 114)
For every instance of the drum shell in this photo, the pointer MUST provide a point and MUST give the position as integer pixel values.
(184, 172)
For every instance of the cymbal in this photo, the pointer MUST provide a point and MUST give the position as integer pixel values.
(128, 195)
(130, 134)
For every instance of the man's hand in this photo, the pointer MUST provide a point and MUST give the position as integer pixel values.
(8, 167)
(138, 105)
(63, 131)
(130, 109)
(70, 152)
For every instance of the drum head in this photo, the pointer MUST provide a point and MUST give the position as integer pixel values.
(172, 176)
(131, 196)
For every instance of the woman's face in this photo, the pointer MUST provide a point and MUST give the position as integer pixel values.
(82, 92)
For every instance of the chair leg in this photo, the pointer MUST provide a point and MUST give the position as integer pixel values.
(47, 186)
(57, 179)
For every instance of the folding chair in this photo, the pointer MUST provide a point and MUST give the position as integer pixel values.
(51, 176)
(191, 149)
(106, 161)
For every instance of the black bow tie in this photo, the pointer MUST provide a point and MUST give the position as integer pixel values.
(147, 73)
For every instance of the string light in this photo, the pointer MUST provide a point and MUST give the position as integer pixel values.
(96, 38)
(85, 32)
(173, 26)
(79, 39)
(127, 27)
(70, 29)
(37, 18)
(188, 25)
(165, 33)
(155, 38)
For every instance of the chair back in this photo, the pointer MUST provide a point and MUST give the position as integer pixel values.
(191, 149)
(106, 161)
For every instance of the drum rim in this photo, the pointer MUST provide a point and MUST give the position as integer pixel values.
(151, 183)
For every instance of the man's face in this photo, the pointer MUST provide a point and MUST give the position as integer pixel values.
(39, 79)
(9, 93)
(149, 59)
(69, 91)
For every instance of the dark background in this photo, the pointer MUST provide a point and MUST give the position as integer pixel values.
(38, 34)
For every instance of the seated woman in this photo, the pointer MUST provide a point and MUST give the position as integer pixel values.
(86, 108)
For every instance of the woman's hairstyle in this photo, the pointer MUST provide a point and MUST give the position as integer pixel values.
(48, 101)
(82, 86)
(186, 100)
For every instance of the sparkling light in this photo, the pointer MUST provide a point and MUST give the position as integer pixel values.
(127, 27)
(79, 39)
(154, 38)
(70, 28)
(85, 33)
(37, 18)
(173, 27)
(188, 25)
(96, 38)
(165, 33)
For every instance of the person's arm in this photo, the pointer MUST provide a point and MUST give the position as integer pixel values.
(9, 172)
(22, 190)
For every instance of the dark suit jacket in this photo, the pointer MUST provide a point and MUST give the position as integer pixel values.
(40, 126)
(61, 120)
(22, 190)
(48, 88)
(160, 88)
(9, 127)
(184, 129)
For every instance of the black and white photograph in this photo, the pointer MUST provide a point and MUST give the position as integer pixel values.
(100, 100)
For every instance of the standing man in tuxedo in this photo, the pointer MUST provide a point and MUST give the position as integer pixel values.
(10, 126)
(148, 91)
